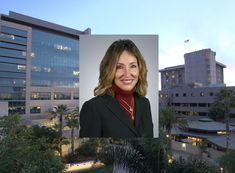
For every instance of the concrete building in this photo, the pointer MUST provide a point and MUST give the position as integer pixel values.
(200, 69)
(191, 87)
(39, 66)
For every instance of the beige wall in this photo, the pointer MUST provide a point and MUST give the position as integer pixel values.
(3, 108)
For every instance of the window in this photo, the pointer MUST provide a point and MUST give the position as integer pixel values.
(177, 94)
(40, 96)
(35, 109)
(193, 104)
(211, 94)
(202, 104)
(76, 96)
(202, 94)
(184, 94)
(193, 94)
(62, 96)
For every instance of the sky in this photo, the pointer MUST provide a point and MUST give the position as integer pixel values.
(205, 23)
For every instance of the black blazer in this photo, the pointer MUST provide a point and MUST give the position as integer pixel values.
(103, 116)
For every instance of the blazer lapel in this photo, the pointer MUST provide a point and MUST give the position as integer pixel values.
(113, 105)
(138, 110)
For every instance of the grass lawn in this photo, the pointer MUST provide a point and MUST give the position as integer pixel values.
(106, 169)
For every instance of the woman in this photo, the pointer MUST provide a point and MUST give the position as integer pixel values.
(119, 108)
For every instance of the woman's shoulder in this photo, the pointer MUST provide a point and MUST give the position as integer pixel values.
(99, 99)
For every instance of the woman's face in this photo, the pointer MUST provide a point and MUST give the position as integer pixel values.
(127, 71)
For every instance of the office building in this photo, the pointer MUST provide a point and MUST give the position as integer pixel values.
(39, 66)
(200, 69)
(191, 88)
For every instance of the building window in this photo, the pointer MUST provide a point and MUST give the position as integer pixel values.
(202, 104)
(184, 94)
(76, 96)
(193, 94)
(177, 94)
(193, 104)
(40, 96)
(185, 104)
(202, 94)
(211, 94)
(35, 110)
(62, 96)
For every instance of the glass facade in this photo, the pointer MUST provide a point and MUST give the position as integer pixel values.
(13, 68)
(55, 60)
(62, 96)
(40, 96)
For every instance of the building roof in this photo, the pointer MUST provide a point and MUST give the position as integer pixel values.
(31, 21)
(209, 126)
(172, 68)
(220, 141)
(220, 64)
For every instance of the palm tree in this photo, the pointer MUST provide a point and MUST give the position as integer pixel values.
(226, 100)
(60, 112)
(72, 122)
(169, 119)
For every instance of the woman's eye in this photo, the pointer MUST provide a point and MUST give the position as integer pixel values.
(119, 67)
(133, 66)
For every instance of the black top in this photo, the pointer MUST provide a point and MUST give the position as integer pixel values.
(103, 116)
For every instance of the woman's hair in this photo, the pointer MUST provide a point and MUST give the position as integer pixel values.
(108, 68)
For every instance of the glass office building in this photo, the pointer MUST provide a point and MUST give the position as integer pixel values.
(39, 66)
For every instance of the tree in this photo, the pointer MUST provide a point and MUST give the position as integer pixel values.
(9, 125)
(192, 165)
(216, 112)
(225, 99)
(23, 152)
(169, 119)
(60, 112)
(139, 155)
(72, 122)
(91, 147)
(227, 162)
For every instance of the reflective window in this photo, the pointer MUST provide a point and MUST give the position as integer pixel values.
(15, 31)
(12, 53)
(76, 96)
(40, 96)
(12, 89)
(35, 109)
(12, 60)
(55, 61)
(62, 96)
(13, 39)
(12, 96)
(12, 67)
(16, 110)
(12, 82)
(12, 46)
(12, 75)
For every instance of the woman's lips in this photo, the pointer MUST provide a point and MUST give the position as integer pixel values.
(127, 81)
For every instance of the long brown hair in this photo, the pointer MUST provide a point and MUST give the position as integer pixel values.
(108, 68)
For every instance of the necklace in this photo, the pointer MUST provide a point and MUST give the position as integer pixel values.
(129, 108)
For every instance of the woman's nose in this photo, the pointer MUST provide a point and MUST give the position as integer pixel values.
(126, 72)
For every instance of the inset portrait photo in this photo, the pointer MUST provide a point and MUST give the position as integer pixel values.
(118, 87)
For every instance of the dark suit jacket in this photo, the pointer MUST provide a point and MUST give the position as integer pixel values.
(103, 116)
